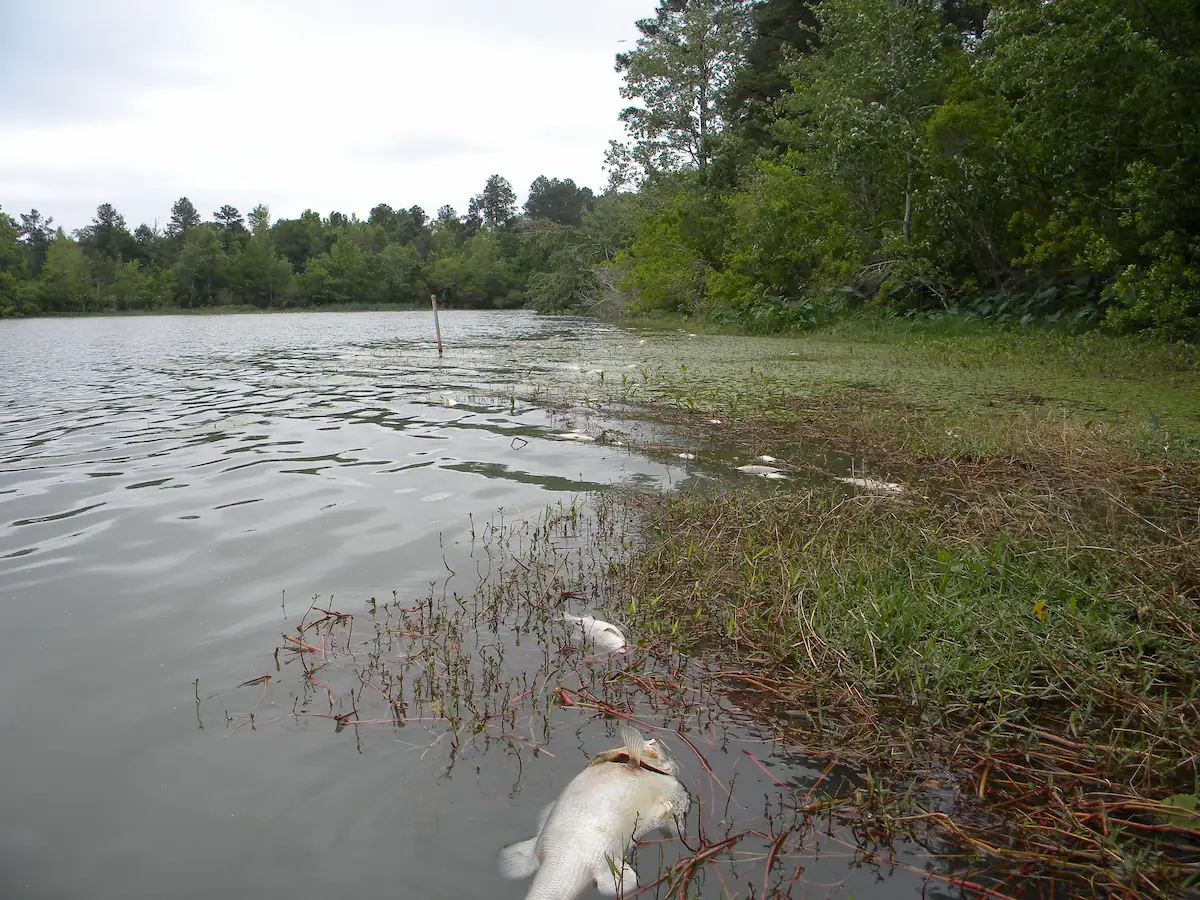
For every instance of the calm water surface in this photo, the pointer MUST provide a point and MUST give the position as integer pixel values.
(173, 492)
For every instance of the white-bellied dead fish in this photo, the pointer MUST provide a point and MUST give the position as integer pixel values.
(764, 471)
(872, 484)
(590, 630)
(584, 837)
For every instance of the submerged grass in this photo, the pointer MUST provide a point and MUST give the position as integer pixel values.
(1025, 616)
(498, 672)
(955, 391)
(1021, 623)
(1047, 657)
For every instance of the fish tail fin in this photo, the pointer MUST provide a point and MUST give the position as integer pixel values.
(634, 743)
(519, 860)
(616, 878)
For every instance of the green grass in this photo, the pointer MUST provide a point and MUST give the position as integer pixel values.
(992, 609)
(1026, 616)
(967, 392)
(1040, 648)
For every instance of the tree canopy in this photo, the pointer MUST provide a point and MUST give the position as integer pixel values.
(1018, 160)
(398, 255)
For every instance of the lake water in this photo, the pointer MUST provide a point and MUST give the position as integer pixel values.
(175, 491)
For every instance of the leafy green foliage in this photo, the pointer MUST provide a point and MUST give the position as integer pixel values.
(12, 266)
(679, 71)
(559, 201)
(491, 257)
(1027, 162)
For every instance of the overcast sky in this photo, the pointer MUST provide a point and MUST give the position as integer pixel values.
(328, 104)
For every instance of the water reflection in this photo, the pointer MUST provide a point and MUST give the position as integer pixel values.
(498, 682)
(171, 487)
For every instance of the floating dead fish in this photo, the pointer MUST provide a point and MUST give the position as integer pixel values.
(767, 459)
(574, 436)
(687, 455)
(584, 837)
(600, 634)
(871, 484)
(714, 421)
(762, 471)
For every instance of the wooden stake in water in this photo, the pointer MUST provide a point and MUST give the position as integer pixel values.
(436, 325)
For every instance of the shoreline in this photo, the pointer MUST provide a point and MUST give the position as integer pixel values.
(1018, 622)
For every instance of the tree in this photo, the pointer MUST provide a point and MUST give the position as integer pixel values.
(200, 272)
(472, 222)
(229, 219)
(680, 70)
(148, 245)
(1101, 106)
(559, 201)
(884, 73)
(260, 219)
(184, 217)
(497, 204)
(302, 239)
(108, 239)
(349, 271)
(777, 29)
(400, 269)
(397, 226)
(65, 282)
(259, 275)
(36, 234)
(131, 287)
(12, 267)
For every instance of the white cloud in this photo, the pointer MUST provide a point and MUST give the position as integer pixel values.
(299, 103)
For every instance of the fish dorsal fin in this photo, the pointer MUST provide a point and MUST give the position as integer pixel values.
(634, 744)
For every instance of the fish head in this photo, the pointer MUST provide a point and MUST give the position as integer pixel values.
(659, 756)
(652, 755)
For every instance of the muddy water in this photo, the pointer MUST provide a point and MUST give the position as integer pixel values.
(174, 492)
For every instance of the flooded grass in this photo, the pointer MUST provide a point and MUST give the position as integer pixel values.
(970, 596)
(1022, 616)
(974, 391)
(1054, 674)
(500, 672)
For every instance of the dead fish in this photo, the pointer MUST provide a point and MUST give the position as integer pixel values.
(574, 436)
(590, 630)
(764, 471)
(871, 484)
(584, 837)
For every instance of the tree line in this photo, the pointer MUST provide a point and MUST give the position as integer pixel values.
(484, 258)
(1019, 160)
(785, 160)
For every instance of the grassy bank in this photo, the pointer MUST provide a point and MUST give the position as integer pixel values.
(1022, 620)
